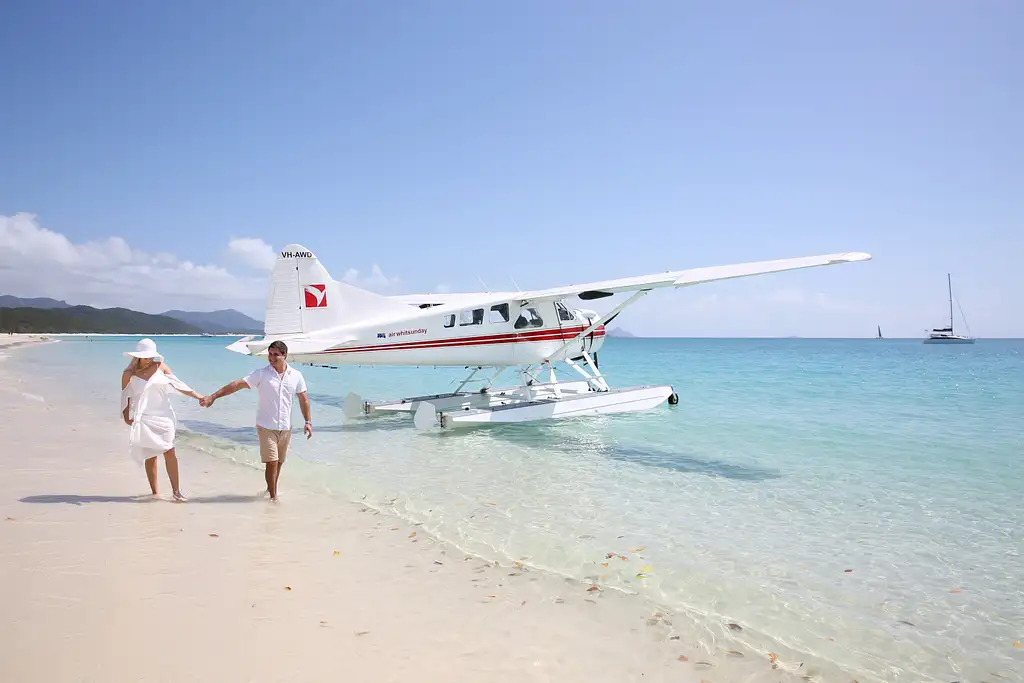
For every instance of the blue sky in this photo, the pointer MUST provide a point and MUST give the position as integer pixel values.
(550, 142)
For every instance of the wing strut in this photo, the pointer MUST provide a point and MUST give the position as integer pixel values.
(599, 320)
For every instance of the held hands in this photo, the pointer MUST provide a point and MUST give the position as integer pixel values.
(206, 401)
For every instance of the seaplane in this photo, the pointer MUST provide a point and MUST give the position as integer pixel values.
(328, 323)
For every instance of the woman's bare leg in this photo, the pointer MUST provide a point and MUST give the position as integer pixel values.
(151, 473)
(171, 459)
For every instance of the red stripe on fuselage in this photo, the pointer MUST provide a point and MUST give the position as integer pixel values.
(567, 333)
(564, 334)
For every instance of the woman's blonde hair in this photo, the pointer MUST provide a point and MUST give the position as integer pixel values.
(133, 364)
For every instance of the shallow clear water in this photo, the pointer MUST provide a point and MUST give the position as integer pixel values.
(856, 505)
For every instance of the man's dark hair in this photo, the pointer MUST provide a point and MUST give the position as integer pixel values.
(280, 346)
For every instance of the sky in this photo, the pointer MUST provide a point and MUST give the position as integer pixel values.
(156, 155)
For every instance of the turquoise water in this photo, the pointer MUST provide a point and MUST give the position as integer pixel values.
(785, 464)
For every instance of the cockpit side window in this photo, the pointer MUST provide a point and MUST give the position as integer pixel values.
(564, 313)
(529, 317)
(449, 320)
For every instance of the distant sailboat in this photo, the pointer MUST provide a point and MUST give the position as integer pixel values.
(945, 335)
(879, 332)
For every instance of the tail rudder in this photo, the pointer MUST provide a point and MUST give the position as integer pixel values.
(304, 298)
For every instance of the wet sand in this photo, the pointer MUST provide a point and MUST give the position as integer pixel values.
(102, 583)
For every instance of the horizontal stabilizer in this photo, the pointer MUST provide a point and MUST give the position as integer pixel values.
(296, 347)
(240, 345)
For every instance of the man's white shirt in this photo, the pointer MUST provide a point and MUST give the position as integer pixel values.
(275, 393)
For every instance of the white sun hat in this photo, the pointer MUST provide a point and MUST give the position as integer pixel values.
(146, 348)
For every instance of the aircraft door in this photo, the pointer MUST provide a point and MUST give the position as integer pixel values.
(527, 319)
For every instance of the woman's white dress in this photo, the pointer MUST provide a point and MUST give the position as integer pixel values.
(153, 420)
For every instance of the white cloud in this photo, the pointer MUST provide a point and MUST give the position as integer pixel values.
(252, 251)
(23, 240)
(36, 261)
(376, 280)
(443, 289)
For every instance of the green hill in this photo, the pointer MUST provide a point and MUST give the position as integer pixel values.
(86, 319)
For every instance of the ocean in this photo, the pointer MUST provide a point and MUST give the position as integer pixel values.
(857, 505)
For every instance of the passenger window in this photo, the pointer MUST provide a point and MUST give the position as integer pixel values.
(499, 314)
(529, 317)
(564, 313)
(474, 317)
(449, 320)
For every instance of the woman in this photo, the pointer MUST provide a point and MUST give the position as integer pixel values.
(146, 386)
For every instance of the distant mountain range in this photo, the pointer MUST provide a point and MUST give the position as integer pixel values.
(43, 315)
(88, 319)
(226, 321)
(8, 301)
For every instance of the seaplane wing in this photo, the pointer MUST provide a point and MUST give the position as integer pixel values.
(693, 276)
(606, 288)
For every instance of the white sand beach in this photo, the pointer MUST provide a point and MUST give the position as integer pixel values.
(100, 584)
(14, 340)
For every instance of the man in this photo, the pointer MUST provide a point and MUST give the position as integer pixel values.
(275, 384)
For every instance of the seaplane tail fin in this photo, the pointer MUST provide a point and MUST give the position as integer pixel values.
(304, 298)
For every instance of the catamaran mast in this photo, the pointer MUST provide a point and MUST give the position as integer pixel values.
(949, 283)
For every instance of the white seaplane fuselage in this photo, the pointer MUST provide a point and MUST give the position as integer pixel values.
(492, 336)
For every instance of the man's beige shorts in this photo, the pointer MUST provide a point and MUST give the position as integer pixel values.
(273, 443)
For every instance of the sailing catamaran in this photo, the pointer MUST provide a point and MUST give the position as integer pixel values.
(945, 335)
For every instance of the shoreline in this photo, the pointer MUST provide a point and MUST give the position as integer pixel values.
(200, 582)
(10, 343)
(18, 339)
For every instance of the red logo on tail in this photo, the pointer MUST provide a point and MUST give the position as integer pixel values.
(316, 296)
